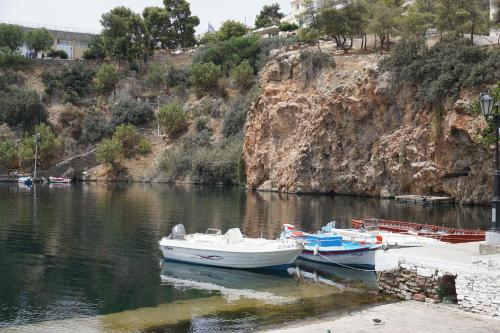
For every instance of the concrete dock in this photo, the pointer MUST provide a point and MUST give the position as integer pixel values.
(424, 200)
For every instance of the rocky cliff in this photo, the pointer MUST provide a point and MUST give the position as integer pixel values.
(349, 132)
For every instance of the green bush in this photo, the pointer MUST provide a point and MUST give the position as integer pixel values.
(128, 137)
(313, 62)
(70, 121)
(8, 155)
(94, 127)
(201, 124)
(57, 54)
(106, 80)
(21, 108)
(109, 151)
(242, 75)
(205, 76)
(68, 83)
(230, 53)
(178, 77)
(11, 78)
(172, 118)
(131, 111)
(234, 119)
(287, 26)
(231, 29)
(144, 147)
(442, 70)
(49, 147)
(156, 75)
(204, 162)
(10, 60)
(11, 36)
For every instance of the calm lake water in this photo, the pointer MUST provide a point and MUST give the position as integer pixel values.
(85, 258)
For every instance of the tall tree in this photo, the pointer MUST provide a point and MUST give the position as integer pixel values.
(11, 36)
(124, 34)
(383, 20)
(39, 40)
(157, 23)
(309, 18)
(269, 16)
(230, 29)
(418, 19)
(182, 24)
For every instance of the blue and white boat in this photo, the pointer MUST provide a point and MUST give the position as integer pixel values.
(327, 247)
(28, 181)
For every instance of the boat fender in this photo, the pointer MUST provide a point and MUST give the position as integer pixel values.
(316, 249)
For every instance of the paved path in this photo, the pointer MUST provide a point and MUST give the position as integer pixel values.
(406, 317)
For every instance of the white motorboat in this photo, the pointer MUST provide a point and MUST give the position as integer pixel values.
(59, 180)
(386, 238)
(231, 250)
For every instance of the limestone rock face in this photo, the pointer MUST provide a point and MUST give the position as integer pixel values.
(349, 132)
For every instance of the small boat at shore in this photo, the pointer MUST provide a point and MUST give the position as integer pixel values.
(231, 250)
(59, 180)
(441, 233)
(330, 248)
(387, 239)
(28, 181)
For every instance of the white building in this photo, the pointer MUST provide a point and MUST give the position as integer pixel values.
(297, 8)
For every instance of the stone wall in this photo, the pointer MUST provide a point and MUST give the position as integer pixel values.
(478, 290)
(475, 288)
(419, 284)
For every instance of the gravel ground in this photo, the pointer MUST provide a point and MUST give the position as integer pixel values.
(414, 317)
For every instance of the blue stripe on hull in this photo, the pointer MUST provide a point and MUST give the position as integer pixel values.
(337, 265)
(268, 268)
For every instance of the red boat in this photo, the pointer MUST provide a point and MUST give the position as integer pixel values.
(444, 234)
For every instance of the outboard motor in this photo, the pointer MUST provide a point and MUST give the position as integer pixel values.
(178, 232)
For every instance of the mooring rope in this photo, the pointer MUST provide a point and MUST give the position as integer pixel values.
(346, 266)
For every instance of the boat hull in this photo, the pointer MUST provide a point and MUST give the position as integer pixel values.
(364, 258)
(240, 260)
(443, 234)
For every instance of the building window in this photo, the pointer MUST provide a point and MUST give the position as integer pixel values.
(81, 44)
(64, 42)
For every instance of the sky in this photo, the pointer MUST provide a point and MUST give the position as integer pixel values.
(85, 15)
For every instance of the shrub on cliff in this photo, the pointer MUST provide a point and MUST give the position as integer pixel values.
(242, 76)
(70, 121)
(21, 108)
(128, 137)
(8, 154)
(230, 53)
(94, 127)
(442, 70)
(11, 78)
(205, 77)
(106, 80)
(313, 62)
(68, 83)
(10, 59)
(131, 111)
(49, 147)
(196, 157)
(109, 151)
(144, 147)
(172, 118)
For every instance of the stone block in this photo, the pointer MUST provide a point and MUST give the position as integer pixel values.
(486, 249)
(432, 300)
(425, 272)
(418, 298)
(492, 238)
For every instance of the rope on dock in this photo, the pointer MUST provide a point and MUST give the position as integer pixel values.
(346, 266)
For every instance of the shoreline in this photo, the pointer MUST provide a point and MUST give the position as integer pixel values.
(352, 195)
(409, 316)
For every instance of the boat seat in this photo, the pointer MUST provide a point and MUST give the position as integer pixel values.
(232, 236)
